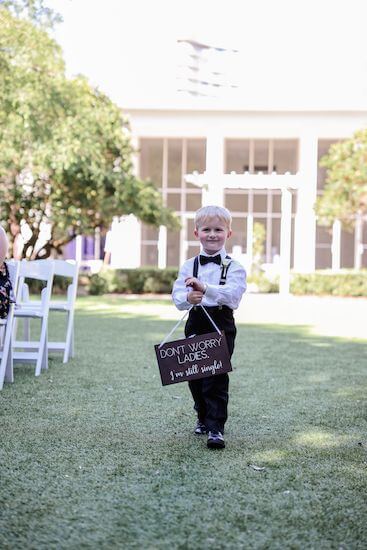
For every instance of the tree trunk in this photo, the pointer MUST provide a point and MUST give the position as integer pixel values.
(53, 246)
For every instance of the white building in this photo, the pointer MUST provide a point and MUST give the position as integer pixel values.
(246, 161)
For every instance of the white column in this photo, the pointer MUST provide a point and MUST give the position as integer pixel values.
(183, 231)
(78, 248)
(162, 247)
(305, 222)
(214, 170)
(184, 237)
(127, 230)
(285, 242)
(335, 246)
(358, 246)
(97, 243)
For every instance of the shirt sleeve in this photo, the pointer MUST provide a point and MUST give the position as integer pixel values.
(179, 292)
(231, 292)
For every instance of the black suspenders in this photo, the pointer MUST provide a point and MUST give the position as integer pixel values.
(223, 275)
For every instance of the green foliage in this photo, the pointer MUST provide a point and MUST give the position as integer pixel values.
(160, 281)
(345, 191)
(352, 283)
(262, 282)
(136, 281)
(65, 149)
(258, 243)
(35, 10)
(60, 285)
(98, 285)
(258, 277)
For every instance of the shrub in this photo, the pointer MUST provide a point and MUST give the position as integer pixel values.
(352, 283)
(60, 285)
(135, 281)
(160, 281)
(262, 283)
(97, 285)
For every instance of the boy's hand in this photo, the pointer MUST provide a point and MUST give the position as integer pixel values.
(194, 297)
(195, 284)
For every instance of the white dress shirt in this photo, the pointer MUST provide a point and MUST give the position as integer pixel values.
(229, 294)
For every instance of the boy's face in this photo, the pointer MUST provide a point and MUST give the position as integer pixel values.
(212, 233)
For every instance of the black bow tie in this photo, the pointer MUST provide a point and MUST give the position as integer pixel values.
(207, 259)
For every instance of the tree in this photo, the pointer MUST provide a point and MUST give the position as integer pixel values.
(258, 245)
(34, 10)
(65, 150)
(345, 191)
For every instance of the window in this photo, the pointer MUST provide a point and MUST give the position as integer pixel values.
(235, 200)
(261, 155)
(285, 156)
(149, 233)
(174, 201)
(323, 247)
(151, 160)
(260, 201)
(149, 255)
(347, 249)
(174, 177)
(239, 233)
(237, 155)
(196, 155)
(182, 156)
(193, 202)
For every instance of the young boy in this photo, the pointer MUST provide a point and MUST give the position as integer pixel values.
(217, 282)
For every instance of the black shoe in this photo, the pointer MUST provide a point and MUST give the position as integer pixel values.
(200, 428)
(216, 440)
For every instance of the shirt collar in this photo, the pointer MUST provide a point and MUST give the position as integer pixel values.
(222, 253)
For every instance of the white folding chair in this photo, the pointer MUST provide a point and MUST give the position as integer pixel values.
(36, 350)
(6, 329)
(69, 269)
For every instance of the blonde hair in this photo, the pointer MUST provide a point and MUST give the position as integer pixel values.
(210, 212)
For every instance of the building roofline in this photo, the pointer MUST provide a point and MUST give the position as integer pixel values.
(145, 110)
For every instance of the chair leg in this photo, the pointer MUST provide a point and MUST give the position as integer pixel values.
(2, 373)
(2, 366)
(69, 343)
(9, 371)
(72, 349)
(6, 364)
(45, 353)
(42, 360)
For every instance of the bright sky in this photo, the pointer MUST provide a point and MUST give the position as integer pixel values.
(293, 54)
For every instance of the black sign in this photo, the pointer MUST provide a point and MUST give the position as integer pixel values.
(191, 358)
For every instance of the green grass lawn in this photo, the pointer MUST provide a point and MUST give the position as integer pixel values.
(96, 454)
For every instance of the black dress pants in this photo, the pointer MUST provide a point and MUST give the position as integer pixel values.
(211, 394)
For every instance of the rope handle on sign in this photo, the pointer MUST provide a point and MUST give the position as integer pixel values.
(174, 328)
(210, 319)
(180, 321)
